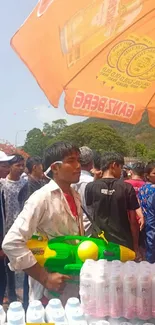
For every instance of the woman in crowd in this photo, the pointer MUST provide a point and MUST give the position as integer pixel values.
(145, 195)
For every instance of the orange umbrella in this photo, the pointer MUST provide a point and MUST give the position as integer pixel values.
(101, 53)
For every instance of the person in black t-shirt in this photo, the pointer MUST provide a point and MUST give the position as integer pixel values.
(114, 203)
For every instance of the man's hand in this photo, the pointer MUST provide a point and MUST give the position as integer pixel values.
(138, 256)
(2, 255)
(141, 223)
(140, 218)
(55, 281)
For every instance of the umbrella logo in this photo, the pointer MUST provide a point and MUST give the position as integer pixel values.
(130, 65)
(43, 6)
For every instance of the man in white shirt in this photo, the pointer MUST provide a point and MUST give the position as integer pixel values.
(86, 160)
(53, 210)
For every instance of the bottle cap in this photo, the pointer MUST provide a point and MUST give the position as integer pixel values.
(55, 303)
(73, 303)
(15, 306)
(35, 304)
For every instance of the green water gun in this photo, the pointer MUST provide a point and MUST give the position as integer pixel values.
(66, 254)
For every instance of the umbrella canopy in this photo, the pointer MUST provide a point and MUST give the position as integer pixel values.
(101, 53)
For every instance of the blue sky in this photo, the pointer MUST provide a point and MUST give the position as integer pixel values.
(23, 105)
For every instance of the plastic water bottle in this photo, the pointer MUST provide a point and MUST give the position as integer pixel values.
(101, 295)
(153, 296)
(144, 265)
(129, 294)
(16, 314)
(59, 317)
(115, 295)
(2, 315)
(35, 312)
(87, 291)
(71, 308)
(54, 305)
(144, 296)
(78, 318)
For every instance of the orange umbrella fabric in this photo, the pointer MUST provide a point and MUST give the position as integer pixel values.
(100, 52)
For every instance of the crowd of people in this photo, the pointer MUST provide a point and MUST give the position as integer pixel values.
(55, 196)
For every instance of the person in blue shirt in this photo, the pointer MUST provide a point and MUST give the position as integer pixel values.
(145, 197)
(150, 230)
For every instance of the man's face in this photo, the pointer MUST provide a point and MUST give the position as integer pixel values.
(70, 169)
(18, 168)
(38, 171)
(117, 170)
(4, 169)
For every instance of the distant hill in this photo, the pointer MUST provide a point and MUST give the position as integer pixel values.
(143, 132)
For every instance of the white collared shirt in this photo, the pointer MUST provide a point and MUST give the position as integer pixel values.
(85, 178)
(48, 213)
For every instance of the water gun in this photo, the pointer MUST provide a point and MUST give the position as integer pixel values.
(66, 254)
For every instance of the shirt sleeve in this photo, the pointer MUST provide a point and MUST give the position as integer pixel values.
(15, 242)
(132, 202)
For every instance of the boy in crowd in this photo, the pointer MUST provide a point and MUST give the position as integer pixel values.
(96, 171)
(114, 203)
(35, 178)
(4, 171)
(12, 186)
(137, 176)
(54, 210)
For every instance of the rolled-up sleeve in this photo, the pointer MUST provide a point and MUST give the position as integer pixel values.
(15, 242)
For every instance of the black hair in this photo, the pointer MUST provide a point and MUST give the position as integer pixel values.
(149, 167)
(57, 152)
(109, 158)
(16, 159)
(32, 161)
(124, 174)
(97, 159)
(138, 168)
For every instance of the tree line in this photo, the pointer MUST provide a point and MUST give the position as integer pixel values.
(95, 135)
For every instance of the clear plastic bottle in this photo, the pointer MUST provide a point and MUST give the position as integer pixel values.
(2, 315)
(102, 294)
(144, 296)
(129, 294)
(115, 294)
(153, 296)
(59, 317)
(87, 291)
(72, 307)
(54, 305)
(16, 313)
(78, 318)
(35, 311)
(16, 319)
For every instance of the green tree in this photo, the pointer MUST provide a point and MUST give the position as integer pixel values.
(94, 135)
(52, 130)
(35, 142)
(140, 150)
